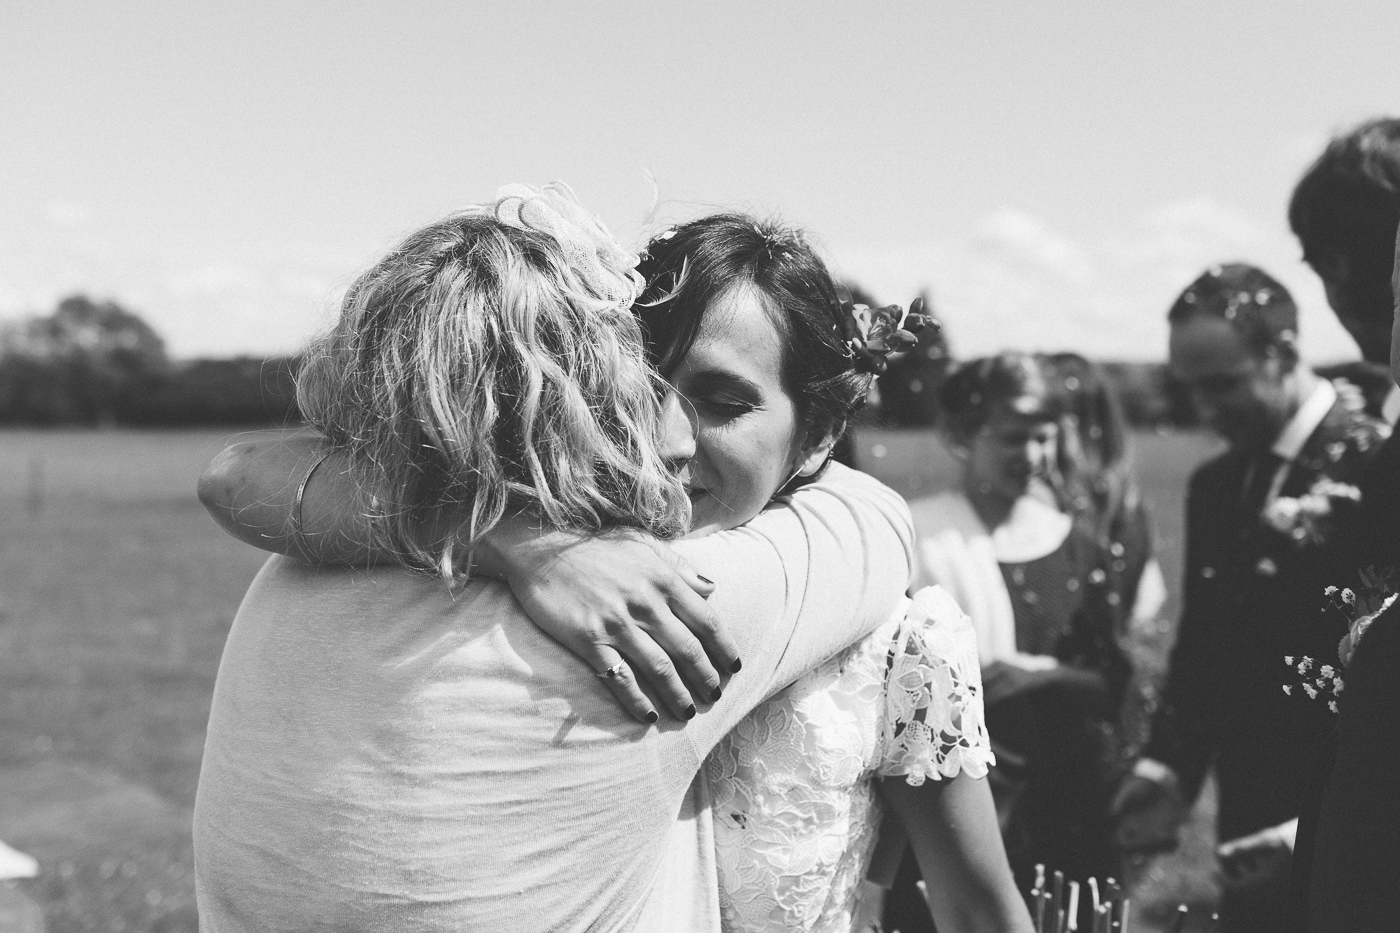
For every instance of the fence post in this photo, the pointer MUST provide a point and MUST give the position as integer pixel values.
(34, 493)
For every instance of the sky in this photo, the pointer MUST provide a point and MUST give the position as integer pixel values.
(1052, 173)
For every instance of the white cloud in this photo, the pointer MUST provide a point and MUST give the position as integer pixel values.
(1012, 281)
(67, 214)
(249, 301)
(1016, 282)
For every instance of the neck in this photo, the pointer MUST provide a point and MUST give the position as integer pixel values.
(990, 506)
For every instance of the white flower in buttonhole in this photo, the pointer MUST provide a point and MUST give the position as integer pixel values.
(1301, 518)
(1282, 513)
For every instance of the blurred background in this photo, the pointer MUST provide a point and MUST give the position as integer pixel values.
(186, 190)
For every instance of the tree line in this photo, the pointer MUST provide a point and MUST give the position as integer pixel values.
(97, 363)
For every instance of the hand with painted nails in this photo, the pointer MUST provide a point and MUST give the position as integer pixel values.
(626, 604)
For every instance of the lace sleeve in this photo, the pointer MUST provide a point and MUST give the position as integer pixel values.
(933, 724)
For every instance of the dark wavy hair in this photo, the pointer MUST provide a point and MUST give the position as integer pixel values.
(690, 267)
(1347, 206)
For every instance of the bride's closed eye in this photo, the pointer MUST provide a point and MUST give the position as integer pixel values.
(724, 408)
(723, 396)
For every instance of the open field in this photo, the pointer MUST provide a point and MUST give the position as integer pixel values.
(116, 593)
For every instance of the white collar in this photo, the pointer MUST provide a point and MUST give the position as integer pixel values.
(1305, 421)
(1390, 409)
(1032, 530)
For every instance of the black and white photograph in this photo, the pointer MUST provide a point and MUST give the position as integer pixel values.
(729, 467)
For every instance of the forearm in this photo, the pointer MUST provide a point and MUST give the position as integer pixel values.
(801, 582)
(295, 496)
(952, 826)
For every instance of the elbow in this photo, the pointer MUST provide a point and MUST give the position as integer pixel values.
(222, 479)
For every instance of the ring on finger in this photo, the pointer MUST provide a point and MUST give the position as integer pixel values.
(613, 673)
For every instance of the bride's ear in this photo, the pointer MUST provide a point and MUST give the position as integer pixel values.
(814, 455)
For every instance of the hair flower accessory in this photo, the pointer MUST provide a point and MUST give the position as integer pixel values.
(602, 265)
(872, 334)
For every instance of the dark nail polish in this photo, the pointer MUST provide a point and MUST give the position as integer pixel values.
(705, 579)
(690, 711)
(652, 717)
(736, 667)
(714, 697)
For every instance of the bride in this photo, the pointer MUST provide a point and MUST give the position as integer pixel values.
(742, 320)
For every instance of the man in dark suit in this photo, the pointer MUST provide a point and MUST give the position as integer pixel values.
(1345, 211)
(1263, 542)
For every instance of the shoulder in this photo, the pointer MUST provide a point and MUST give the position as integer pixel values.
(841, 488)
(841, 505)
(948, 510)
(933, 724)
(1345, 441)
(936, 629)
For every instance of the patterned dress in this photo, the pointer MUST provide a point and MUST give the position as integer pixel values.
(1057, 732)
(796, 812)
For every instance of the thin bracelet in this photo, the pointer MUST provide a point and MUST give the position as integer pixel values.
(297, 536)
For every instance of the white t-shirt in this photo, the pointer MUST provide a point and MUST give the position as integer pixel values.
(382, 755)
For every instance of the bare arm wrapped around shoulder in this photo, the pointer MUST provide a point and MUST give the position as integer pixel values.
(620, 595)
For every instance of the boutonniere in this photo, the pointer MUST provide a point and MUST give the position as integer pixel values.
(1359, 607)
(1303, 518)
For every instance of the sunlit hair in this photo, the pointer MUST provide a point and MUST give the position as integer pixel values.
(1093, 477)
(472, 374)
(690, 268)
(978, 390)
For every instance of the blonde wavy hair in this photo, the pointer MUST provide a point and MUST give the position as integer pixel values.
(473, 373)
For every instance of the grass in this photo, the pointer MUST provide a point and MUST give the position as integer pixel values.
(118, 596)
(116, 593)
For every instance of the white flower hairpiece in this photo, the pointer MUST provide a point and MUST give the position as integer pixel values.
(600, 262)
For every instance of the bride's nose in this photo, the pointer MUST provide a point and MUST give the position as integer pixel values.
(678, 426)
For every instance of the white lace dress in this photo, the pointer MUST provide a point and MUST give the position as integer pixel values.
(796, 812)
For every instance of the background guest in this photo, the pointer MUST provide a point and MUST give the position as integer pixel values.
(1035, 583)
(1094, 482)
(1257, 561)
